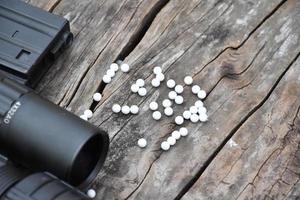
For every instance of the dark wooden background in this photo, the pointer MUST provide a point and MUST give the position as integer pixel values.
(244, 53)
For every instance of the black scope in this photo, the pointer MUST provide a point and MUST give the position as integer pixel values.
(41, 136)
(17, 183)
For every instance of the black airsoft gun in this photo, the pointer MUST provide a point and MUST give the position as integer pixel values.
(46, 151)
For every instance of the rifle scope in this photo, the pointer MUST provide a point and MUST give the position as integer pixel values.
(41, 136)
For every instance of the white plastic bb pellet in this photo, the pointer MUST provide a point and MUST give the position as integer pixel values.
(134, 88)
(165, 146)
(134, 109)
(142, 142)
(140, 82)
(187, 114)
(97, 96)
(142, 92)
(201, 94)
(116, 108)
(157, 70)
(171, 83)
(172, 95)
(125, 67)
(168, 111)
(156, 115)
(125, 110)
(178, 99)
(178, 89)
(179, 120)
(114, 66)
(183, 131)
(171, 141)
(160, 77)
(188, 80)
(196, 89)
(166, 103)
(153, 106)
(88, 113)
(91, 193)
(176, 135)
(155, 82)
(106, 79)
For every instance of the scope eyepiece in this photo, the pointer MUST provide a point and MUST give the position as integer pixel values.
(44, 137)
(19, 184)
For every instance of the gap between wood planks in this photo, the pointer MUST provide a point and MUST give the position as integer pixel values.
(135, 40)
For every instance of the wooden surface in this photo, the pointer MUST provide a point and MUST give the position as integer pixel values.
(245, 54)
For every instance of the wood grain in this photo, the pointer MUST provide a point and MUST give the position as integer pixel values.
(261, 160)
(243, 53)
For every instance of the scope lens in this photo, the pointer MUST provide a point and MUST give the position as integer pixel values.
(89, 160)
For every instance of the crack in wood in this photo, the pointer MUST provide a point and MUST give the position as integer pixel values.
(135, 39)
(235, 129)
(52, 4)
(169, 67)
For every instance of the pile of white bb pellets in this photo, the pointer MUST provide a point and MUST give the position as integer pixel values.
(196, 113)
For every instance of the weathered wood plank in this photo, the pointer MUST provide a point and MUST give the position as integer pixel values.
(220, 43)
(262, 158)
(239, 80)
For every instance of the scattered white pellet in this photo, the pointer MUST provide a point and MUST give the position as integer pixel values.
(84, 117)
(172, 95)
(106, 79)
(202, 110)
(160, 77)
(203, 117)
(119, 62)
(125, 110)
(153, 105)
(140, 82)
(183, 131)
(97, 96)
(196, 89)
(111, 73)
(194, 118)
(116, 108)
(176, 135)
(114, 66)
(142, 92)
(166, 103)
(134, 109)
(199, 104)
(171, 141)
(179, 120)
(193, 109)
(201, 94)
(179, 99)
(157, 70)
(91, 193)
(155, 82)
(165, 146)
(168, 111)
(156, 115)
(178, 89)
(88, 113)
(188, 80)
(125, 67)
(171, 83)
(187, 114)
(142, 142)
(134, 88)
